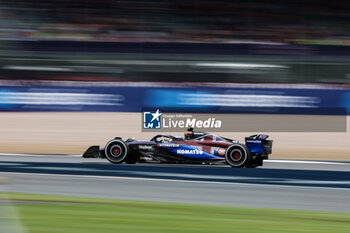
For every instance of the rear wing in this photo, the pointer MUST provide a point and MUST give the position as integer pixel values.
(258, 144)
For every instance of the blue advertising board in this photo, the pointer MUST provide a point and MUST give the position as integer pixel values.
(179, 99)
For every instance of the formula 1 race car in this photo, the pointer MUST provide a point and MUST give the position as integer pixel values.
(205, 148)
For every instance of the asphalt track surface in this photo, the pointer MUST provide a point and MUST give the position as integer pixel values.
(288, 184)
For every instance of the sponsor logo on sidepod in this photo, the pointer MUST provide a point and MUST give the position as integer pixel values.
(221, 151)
(168, 145)
(190, 152)
(144, 147)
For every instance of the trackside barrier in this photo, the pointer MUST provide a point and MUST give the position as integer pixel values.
(132, 98)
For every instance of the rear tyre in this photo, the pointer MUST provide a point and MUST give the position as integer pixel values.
(116, 151)
(237, 155)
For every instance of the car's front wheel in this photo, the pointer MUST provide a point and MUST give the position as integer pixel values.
(237, 155)
(116, 151)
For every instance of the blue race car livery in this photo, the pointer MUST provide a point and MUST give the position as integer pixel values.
(204, 148)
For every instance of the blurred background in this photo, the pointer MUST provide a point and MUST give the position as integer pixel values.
(254, 41)
(61, 59)
(76, 73)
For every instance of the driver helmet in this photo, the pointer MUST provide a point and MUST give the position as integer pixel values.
(189, 128)
(188, 133)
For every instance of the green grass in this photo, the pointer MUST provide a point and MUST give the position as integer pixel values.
(49, 213)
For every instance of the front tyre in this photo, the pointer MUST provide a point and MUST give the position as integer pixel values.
(237, 155)
(116, 151)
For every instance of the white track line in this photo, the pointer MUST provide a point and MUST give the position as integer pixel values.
(305, 162)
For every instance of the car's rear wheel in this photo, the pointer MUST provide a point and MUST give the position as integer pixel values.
(237, 155)
(116, 151)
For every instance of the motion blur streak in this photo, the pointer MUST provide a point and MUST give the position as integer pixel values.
(78, 73)
(8, 216)
(239, 65)
(37, 68)
(52, 98)
(243, 100)
(311, 185)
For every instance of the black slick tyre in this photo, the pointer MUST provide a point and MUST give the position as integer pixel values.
(237, 155)
(117, 151)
